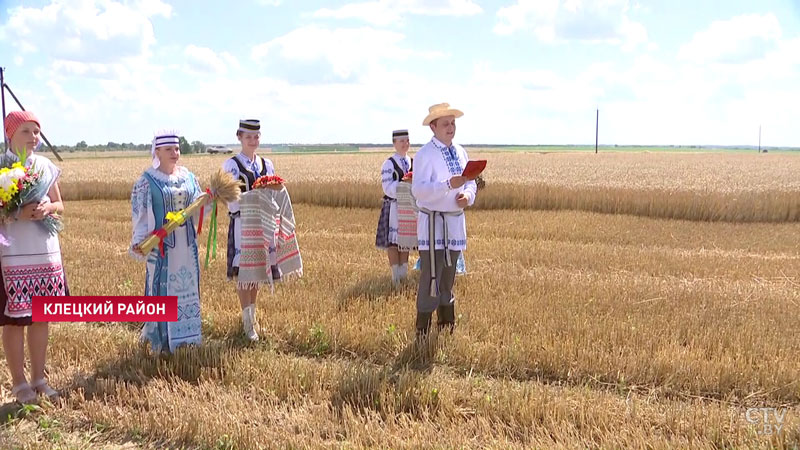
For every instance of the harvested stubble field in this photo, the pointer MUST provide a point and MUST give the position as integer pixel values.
(575, 329)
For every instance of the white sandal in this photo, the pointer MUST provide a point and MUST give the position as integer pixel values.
(19, 389)
(41, 387)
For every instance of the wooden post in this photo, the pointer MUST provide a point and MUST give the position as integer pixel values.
(3, 101)
(759, 139)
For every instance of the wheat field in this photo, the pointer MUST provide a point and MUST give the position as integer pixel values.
(575, 329)
(704, 187)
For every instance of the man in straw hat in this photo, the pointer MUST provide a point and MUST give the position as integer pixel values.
(442, 193)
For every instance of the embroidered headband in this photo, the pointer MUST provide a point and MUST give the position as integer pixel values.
(163, 138)
(249, 126)
(399, 134)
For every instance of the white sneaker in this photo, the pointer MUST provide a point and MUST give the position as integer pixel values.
(248, 322)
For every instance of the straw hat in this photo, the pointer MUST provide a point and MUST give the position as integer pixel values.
(440, 110)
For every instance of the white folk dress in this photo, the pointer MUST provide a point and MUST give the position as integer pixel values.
(177, 273)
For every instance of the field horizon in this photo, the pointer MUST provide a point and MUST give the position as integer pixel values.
(729, 187)
(620, 300)
(355, 148)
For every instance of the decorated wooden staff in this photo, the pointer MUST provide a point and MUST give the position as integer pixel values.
(222, 188)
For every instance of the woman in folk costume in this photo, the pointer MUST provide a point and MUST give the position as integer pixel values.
(393, 174)
(246, 166)
(31, 262)
(172, 268)
(442, 193)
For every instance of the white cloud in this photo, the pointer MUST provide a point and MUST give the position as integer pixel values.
(324, 84)
(152, 8)
(90, 31)
(595, 21)
(205, 60)
(312, 53)
(364, 111)
(106, 46)
(500, 106)
(741, 39)
(98, 64)
(527, 106)
(528, 13)
(631, 34)
(648, 101)
(747, 72)
(386, 12)
(64, 101)
(230, 60)
(651, 100)
(93, 70)
(515, 90)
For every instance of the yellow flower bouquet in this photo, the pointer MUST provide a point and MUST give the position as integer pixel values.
(19, 186)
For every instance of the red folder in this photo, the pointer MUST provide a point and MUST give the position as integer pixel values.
(474, 168)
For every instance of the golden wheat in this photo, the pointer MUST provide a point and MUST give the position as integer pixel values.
(703, 172)
(574, 330)
(704, 187)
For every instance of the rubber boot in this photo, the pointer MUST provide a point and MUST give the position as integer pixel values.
(423, 324)
(446, 315)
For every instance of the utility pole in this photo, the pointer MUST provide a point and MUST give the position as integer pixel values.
(596, 130)
(759, 139)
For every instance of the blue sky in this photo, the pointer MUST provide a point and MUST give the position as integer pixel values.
(523, 71)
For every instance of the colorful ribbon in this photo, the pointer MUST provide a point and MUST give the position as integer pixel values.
(212, 235)
(161, 234)
(202, 211)
(178, 216)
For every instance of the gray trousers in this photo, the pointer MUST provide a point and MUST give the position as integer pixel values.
(445, 275)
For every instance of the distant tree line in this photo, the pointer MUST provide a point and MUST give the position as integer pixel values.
(82, 146)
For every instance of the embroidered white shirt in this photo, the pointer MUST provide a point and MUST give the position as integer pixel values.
(388, 173)
(434, 165)
(252, 165)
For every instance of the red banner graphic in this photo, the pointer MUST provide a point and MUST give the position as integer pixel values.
(105, 309)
